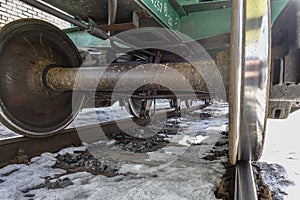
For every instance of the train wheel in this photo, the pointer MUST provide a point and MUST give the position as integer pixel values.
(207, 101)
(174, 103)
(249, 81)
(188, 103)
(27, 48)
(140, 107)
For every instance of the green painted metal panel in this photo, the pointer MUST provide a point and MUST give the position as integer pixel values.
(163, 10)
(198, 2)
(206, 5)
(206, 24)
(211, 23)
(277, 7)
(188, 2)
(178, 8)
(197, 25)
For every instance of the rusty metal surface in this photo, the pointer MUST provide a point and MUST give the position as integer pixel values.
(158, 77)
(129, 77)
(118, 27)
(112, 11)
(35, 146)
(135, 23)
(27, 47)
(223, 63)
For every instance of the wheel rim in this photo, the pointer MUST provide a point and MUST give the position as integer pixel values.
(27, 47)
(249, 82)
(174, 103)
(135, 107)
(188, 103)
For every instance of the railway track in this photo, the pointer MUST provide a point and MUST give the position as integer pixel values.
(20, 148)
(245, 186)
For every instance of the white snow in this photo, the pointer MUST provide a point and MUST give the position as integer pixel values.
(71, 150)
(282, 146)
(18, 179)
(183, 173)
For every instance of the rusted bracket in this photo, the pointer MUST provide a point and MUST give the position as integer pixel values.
(126, 26)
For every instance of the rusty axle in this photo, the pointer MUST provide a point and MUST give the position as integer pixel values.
(173, 77)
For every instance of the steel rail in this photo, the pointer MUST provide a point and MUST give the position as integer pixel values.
(10, 148)
(245, 187)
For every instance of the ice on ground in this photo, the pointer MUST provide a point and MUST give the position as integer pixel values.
(5, 132)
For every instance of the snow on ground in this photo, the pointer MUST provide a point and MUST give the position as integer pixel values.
(87, 116)
(184, 174)
(5, 132)
(283, 147)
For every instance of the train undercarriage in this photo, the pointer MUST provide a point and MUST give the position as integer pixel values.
(241, 51)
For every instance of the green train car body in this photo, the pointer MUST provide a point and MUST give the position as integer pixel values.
(198, 19)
